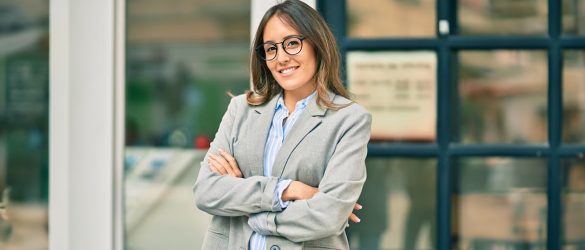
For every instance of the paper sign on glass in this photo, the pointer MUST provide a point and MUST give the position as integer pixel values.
(399, 89)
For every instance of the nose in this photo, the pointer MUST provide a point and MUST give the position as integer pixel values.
(282, 56)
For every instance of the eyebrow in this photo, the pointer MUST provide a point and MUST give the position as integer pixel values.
(284, 38)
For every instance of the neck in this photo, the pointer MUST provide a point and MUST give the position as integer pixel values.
(291, 98)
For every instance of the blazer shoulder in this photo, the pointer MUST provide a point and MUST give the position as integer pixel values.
(239, 100)
(237, 104)
(353, 109)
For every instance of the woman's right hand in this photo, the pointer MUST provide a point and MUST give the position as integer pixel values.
(224, 164)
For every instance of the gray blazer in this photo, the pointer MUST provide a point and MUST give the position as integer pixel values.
(324, 149)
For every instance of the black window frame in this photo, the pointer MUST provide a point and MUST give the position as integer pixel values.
(446, 151)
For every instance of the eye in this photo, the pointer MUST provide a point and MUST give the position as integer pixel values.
(269, 49)
(293, 43)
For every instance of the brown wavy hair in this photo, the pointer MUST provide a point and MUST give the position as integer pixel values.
(310, 25)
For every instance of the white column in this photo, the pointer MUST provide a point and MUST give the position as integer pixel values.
(81, 124)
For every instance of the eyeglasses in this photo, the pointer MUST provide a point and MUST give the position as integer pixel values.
(292, 45)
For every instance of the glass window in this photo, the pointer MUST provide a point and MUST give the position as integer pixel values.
(574, 96)
(502, 97)
(499, 203)
(391, 18)
(182, 59)
(503, 17)
(399, 89)
(573, 199)
(24, 98)
(573, 17)
(399, 205)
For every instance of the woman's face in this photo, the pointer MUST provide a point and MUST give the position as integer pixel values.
(294, 73)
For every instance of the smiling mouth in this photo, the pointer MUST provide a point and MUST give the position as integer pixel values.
(288, 70)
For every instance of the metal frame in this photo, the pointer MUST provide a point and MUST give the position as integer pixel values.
(444, 150)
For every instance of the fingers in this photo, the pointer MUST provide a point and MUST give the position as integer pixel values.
(215, 166)
(354, 218)
(224, 164)
(232, 162)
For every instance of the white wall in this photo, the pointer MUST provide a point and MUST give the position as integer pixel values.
(261, 6)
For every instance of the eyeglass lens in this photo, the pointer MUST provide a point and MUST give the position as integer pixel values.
(291, 46)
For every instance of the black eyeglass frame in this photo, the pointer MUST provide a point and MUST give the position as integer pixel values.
(262, 54)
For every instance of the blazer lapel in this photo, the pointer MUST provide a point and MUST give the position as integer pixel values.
(309, 120)
(260, 122)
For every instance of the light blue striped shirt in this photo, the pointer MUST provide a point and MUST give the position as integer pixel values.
(276, 135)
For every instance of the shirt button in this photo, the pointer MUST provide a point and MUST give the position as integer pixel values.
(274, 247)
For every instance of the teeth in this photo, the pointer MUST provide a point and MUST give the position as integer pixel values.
(287, 70)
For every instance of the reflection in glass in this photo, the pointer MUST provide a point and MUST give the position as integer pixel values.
(399, 205)
(502, 96)
(499, 203)
(574, 17)
(24, 98)
(503, 17)
(573, 203)
(181, 60)
(574, 96)
(391, 18)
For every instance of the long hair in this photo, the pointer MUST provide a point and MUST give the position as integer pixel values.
(310, 25)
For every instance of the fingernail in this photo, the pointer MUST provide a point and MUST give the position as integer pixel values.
(359, 206)
(358, 220)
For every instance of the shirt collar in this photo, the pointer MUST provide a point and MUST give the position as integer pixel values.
(302, 104)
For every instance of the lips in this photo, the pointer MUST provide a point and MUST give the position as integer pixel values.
(288, 70)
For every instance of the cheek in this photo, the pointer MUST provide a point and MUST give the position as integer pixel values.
(271, 67)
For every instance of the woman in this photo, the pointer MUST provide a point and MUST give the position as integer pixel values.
(286, 166)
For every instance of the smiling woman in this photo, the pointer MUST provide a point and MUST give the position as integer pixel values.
(298, 189)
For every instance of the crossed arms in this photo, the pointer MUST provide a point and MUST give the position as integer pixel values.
(315, 213)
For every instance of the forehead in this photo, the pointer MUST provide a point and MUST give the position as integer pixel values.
(277, 28)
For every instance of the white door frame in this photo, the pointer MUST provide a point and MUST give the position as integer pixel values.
(85, 123)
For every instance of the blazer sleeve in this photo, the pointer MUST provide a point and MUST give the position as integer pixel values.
(228, 195)
(326, 214)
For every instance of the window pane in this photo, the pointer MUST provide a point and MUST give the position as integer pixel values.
(574, 17)
(502, 97)
(399, 89)
(391, 18)
(399, 205)
(573, 204)
(574, 96)
(503, 17)
(499, 203)
(182, 58)
(24, 99)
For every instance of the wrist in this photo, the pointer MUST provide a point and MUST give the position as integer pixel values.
(288, 194)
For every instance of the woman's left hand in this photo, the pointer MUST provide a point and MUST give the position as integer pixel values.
(224, 164)
(354, 217)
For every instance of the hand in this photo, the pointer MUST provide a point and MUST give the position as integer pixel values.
(352, 216)
(224, 164)
(298, 191)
